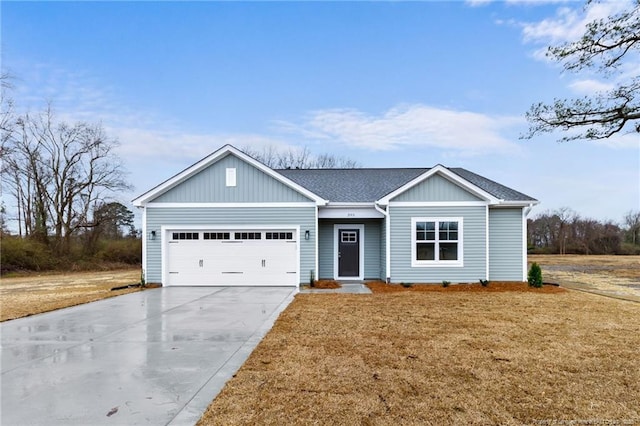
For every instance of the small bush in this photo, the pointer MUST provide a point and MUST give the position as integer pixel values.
(484, 283)
(445, 283)
(406, 285)
(535, 275)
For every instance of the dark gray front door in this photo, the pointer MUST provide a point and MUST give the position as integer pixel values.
(349, 252)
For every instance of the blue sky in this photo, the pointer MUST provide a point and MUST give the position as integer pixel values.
(389, 84)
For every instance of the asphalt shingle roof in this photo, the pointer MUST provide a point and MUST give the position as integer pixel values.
(494, 188)
(369, 185)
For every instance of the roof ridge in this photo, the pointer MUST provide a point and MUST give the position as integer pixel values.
(360, 168)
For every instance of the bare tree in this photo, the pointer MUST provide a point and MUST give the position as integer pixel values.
(57, 172)
(564, 231)
(298, 159)
(603, 47)
(632, 222)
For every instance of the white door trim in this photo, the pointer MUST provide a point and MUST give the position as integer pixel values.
(336, 236)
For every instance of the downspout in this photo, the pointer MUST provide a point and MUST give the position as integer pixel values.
(144, 243)
(525, 213)
(387, 245)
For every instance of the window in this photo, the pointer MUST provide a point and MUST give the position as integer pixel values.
(215, 235)
(248, 235)
(348, 236)
(436, 241)
(231, 177)
(185, 235)
(279, 235)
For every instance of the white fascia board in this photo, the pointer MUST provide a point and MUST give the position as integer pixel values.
(332, 204)
(212, 158)
(230, 205)
(505, 203)
(438, 203)
(447, 174)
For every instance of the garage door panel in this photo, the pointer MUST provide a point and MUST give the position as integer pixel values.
(257, 261)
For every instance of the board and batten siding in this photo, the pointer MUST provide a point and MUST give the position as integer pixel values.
(436, 188)
(252, 186)
(474, 245)
(372, 247)
(505, 244)
(207, 217)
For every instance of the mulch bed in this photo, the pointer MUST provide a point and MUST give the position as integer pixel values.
(494, 286)
(325, 285)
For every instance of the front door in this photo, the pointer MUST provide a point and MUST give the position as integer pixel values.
(349, 252)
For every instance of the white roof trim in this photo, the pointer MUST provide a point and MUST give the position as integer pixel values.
(212, 158)
(527, 203)
(449, 175)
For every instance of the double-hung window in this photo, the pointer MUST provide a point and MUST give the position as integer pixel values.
(436, 241)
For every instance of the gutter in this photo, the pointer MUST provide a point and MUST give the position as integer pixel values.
(527, 209)
(387, 233)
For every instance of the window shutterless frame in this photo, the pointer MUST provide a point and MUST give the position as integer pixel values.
(437, 242)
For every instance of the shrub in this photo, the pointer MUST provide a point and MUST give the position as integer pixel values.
(127, 251)
(484, 283)
(446, 283)
(406, 285)
(535, 275)
(23, 254)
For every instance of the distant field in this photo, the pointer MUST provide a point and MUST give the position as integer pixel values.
(617, 276)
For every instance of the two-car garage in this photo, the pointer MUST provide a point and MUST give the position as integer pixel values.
(231, 256)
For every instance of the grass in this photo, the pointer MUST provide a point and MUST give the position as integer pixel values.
(616, 276)
(34, 294)
(441, 357)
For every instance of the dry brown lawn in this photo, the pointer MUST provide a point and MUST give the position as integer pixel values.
(441, 358)
(33, 294)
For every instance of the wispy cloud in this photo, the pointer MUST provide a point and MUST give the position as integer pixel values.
(463, 132)
(590, 87)
(620, 141)
(163, 144)
(475, 3)
(569, 23)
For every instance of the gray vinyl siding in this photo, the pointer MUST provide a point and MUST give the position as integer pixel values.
(325, 250)
(505, 244)
(210, 217)
(372, 246)
(474, 245)
(252, 186)
(436, 188)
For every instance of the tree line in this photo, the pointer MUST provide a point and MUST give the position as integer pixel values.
(564, 231)
(60, 182)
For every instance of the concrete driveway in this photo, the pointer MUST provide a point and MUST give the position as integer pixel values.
(155, 357)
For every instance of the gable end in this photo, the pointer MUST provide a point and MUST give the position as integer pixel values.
(436, 188)
(207, 182)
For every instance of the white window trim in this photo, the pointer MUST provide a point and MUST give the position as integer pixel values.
(437, 263)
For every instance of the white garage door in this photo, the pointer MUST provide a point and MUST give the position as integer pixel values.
(232, 257)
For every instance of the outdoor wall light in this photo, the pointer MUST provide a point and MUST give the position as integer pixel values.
(153, 235)
(306, 234)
